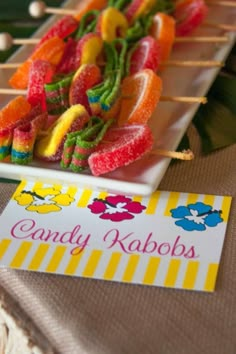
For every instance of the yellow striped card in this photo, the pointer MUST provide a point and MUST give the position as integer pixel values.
(168, 239)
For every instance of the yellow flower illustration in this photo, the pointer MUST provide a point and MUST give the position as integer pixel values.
(43, 200)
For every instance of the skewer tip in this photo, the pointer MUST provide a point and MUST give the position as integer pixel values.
(37, 9)
(185, 155)
(6, 41)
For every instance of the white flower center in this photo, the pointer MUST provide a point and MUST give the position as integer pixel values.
(118, 209)
(47, 200)
(195, 217)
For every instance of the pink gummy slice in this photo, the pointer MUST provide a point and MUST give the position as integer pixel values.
(89, 76)
(62, 29)
(122, 146)
(146, 55)
(67, 63)
(41, 72)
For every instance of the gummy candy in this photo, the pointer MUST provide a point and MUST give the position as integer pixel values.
(57, 95)
(24, 137)
(86, 5)
(121, 146)
(50, 146)
(189, 14)
(144, 55)
(23, 115)
(163, 30)
(88, 49)
(62, 29)
(67, 62)
(51, 51)
(79, 145)
(138, 8)
(85, 77)
(112, 24)
(87, 24)
(13, 112)
(140, 95)
(104, 97)
(41, 72)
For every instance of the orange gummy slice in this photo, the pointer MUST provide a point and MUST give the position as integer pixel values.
(13, 112)
(86, 6)
(163, 30)
(140, 95)
(51, 51)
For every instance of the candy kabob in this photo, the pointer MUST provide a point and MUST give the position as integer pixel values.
(75, 135)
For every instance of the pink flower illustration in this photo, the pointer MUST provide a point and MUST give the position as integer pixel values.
(116, 208)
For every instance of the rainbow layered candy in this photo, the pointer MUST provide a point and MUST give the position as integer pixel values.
(24, 138)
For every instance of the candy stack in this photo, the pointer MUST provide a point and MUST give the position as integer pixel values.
(94, 73)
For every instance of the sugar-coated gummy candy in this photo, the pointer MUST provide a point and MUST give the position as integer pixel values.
(41, 73)
(87, 76)
(62, 29)
(111, 22)
(163, 30)
(50, 146)
(51, 51)
(24, 137)
(140, 95)
(145, 55)
(121, 146)
(189, 14)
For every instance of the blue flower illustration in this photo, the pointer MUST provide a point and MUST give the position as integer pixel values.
(196, 216)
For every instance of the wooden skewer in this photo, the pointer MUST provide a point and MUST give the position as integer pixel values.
(197, 39)
(169, 63)
(7, 41)
(9, 65)
(186, 155)
(190, 63)
(221, 3)
(224, 27)
(9, 91)
(38, 9)
(186, 99)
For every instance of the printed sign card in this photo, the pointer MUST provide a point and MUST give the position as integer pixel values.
(168, 239)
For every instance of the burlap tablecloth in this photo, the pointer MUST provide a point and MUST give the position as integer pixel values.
(89, 316)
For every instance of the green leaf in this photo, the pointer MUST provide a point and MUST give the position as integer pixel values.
(224, 91)
(216, 125)
(4, 180)
(230, 65)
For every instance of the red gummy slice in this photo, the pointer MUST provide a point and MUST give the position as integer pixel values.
(122, 146)
(87, 76)
(189, 14)
(41, 72)
(140, 95)
(51, 51)
(62, 29)
(67, 63)
(146, 55)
